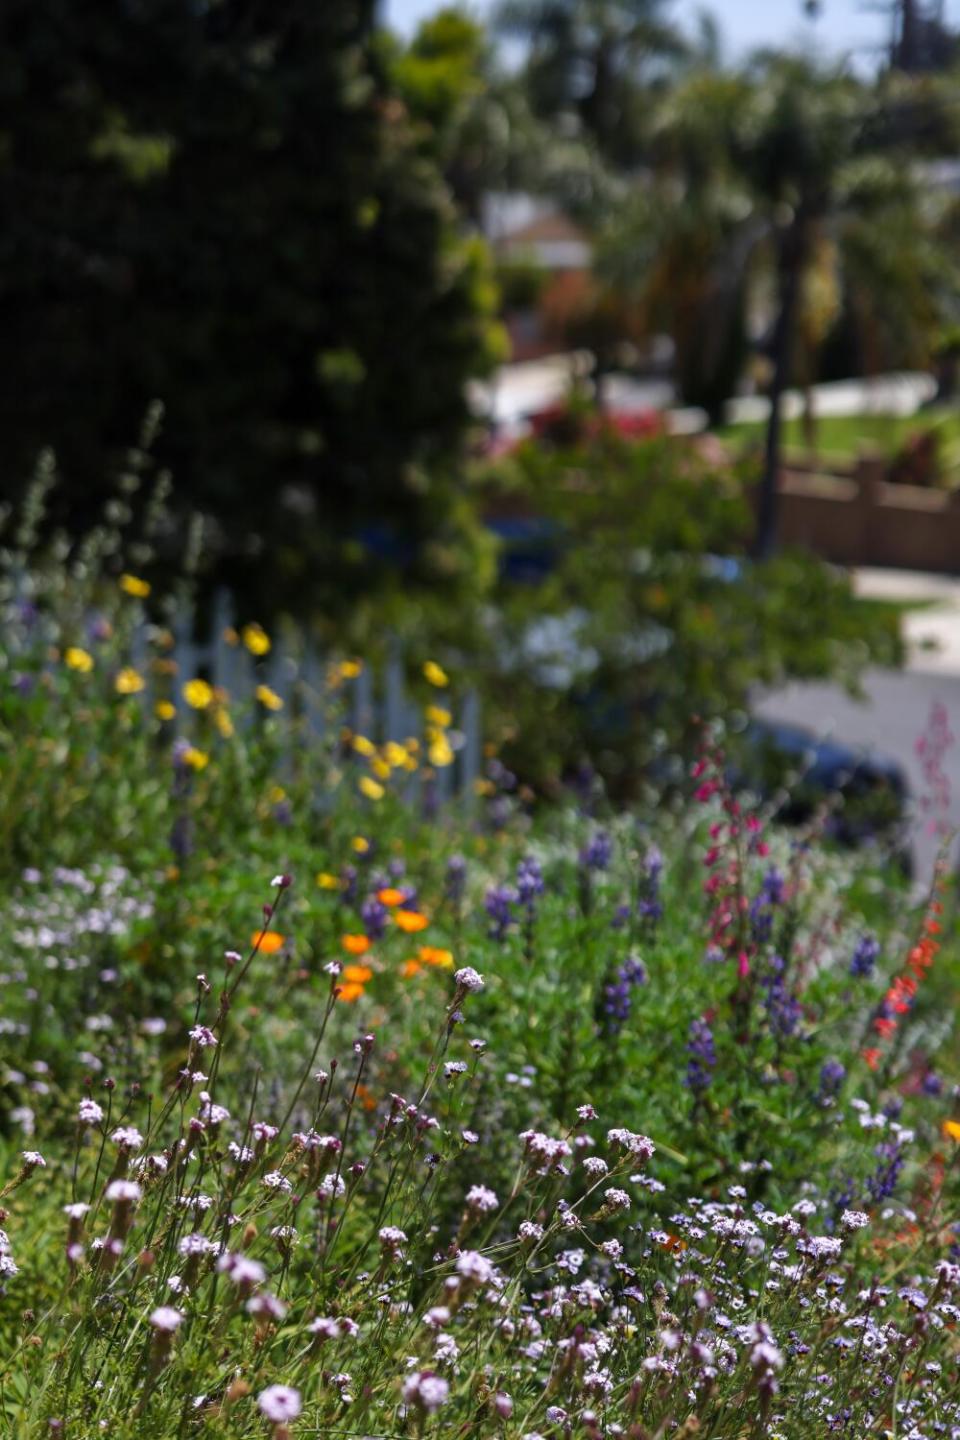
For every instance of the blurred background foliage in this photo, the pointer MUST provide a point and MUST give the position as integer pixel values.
(269, 217)
(637, 614)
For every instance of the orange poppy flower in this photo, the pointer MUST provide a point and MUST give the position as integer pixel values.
(268, 942)
(409, 968)
(951, 1129)
(410, 921)
(355, 944)
(433, 955)
(391, 896)
(674, 1243)
(350, 992)
(357, 974)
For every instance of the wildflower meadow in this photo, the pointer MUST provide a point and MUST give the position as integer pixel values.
(329, 1109)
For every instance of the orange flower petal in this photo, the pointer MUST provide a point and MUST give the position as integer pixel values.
(350, 992)
(391, 896)
(951, 1128)
(434, 955)
(268, 942)
(409, 968)
(357, 974)
(410, 921)
(355, 944)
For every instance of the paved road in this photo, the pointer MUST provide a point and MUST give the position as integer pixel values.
(898, 703)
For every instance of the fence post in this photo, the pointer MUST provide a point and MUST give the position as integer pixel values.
(868, 474)
(312, 675)
(185, 656)
(395, 697)
(363, 715)
(471, 755)
(224, 658)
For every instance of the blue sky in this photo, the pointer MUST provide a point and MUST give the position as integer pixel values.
(844, 25)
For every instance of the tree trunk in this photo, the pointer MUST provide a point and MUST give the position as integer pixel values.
(809, 417)
(907, 58)
(793, 247)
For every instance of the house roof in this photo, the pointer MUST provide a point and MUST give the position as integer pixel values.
(529, 227)
(554, 241)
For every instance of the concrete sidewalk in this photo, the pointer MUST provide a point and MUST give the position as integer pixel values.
(932, 632)
(897, 703)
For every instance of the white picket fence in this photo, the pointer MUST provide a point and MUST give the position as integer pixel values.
(378, 704)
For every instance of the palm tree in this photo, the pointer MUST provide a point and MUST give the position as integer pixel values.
(830, 162)
(679, 243)
(759, 180)
(594, 61)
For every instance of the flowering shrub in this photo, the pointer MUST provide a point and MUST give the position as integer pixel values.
(216, 1215)
(601, 1125)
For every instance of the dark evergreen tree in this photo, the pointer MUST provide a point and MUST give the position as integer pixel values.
(219, 203)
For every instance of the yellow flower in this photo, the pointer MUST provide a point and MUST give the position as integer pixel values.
(350, 669)
(380, 768)
(78, 659)
(434, 675)
(221, 718)
(412, 744)
(438, 716)
(360, 845)
(326, 881)
(277, 793)
(440, 753)
(484, 787)
(129, 682)
(256, 639)
(394, 754)
(131, 585)
(164, 710)
(951, 1129)
(363, 746)
(198, 694)
(196, 759)
(371, 788)
(268, 698)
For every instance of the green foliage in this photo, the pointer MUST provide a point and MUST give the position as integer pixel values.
(339, 1099)
(649, 614)
(521, 283)
(439, 74)
(264, 1139)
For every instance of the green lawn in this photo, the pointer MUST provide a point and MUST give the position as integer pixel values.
(839, 437)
